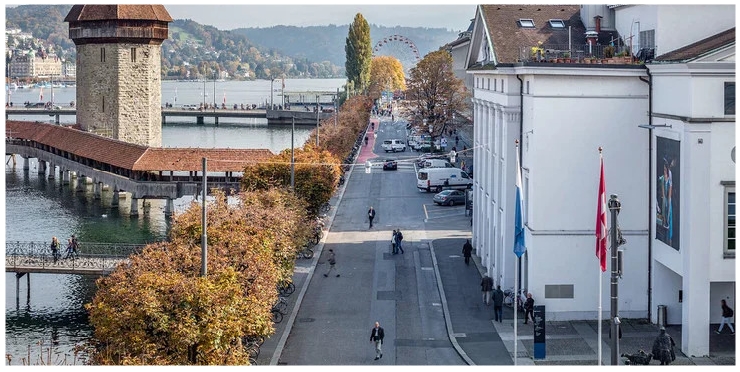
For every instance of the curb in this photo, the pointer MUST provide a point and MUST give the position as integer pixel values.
(448, 322)
(312, 268)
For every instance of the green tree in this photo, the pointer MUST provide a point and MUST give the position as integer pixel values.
(434, 93)
(359, 52)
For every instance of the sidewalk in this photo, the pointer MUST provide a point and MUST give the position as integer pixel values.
(482, 341)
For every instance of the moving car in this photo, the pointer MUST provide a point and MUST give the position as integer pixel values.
(390, 164)
(394, 145)
(449, 197)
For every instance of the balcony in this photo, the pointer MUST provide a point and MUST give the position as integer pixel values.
(580, 54)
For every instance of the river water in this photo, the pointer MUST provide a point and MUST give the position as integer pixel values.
(50, 318)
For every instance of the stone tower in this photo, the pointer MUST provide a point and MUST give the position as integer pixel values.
(119, 85)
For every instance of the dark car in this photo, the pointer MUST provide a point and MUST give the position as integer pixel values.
(390, 164)
(449, 197)
(36, 105)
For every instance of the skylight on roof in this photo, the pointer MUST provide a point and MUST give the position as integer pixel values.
(557, 23)
(526, 23)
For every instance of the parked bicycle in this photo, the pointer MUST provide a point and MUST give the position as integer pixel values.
(305, 252)
(286, 288)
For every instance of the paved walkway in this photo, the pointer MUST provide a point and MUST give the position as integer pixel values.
(486, 342)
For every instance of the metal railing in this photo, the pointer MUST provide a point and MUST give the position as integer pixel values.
(95, 257)
(546, 52)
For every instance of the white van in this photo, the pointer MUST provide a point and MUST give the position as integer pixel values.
(437, 163)
(394, 145)
(435, 179)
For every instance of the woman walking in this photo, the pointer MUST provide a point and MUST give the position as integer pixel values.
(727, 313)
(54, 248)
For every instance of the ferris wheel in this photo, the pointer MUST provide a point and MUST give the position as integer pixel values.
(400, 47)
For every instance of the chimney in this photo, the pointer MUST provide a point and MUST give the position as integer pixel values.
(597, 19)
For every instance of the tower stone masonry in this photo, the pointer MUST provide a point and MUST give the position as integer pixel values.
(119, 86)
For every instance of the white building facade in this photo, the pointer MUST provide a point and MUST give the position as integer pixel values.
(562, 114)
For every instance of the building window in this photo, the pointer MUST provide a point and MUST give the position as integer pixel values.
(502, 85)
(526, 23)
(730, 222)
(647, 39)
(729, 98)
(527, 86)
(102, 54)
(557, 23)
(133, 54)
(495, 81)
(103, 103)
(476, 83)
(488, 82)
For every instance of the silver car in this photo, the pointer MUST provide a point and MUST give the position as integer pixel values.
(449, 197)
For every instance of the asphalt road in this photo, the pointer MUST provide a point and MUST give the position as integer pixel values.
(333, 324)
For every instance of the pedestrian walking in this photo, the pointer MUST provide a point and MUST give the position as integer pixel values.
(727, 313)
(70, 247)
(54, 248)
(529, 308)
(486, 285)
(498, 304)
(663, 348)
(394, 250)
(399, 239)
(371, 216)
(332, 260)
(376, 335)
(467, 251)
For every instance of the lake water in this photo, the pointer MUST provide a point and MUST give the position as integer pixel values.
(53, 317)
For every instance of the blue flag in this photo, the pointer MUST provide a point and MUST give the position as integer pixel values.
(519, 247)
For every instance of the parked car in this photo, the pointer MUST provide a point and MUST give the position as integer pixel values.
(421, 160)
(449, 197)
(394, 145)
(437, 163)
(36, 105)
(190, 107)
(390, 164)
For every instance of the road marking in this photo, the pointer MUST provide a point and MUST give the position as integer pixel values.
(302, 269)
(426, 215)
(427, 268)
(436, 304)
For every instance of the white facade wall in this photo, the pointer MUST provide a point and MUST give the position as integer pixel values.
(707, 137)
(568, 114)
(675, 25)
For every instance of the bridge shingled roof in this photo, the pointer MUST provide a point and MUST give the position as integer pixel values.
(131, 156)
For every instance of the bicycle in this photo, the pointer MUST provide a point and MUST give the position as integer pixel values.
(277, 317)
(281, 305)
(286, 288)
(305, 252)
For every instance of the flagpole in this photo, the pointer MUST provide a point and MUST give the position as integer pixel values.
(598, 362)
(600, 271)
(516, 300)
(517, 246)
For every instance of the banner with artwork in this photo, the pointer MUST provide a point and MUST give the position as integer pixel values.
(668, 193)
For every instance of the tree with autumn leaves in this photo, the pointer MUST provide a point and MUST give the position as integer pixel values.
(434, 93)
(158, 310)
(386, 73)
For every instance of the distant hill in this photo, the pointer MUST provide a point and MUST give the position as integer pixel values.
(320, 43)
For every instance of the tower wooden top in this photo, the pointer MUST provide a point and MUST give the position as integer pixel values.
(83, 13)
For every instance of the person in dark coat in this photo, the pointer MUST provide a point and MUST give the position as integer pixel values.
(486, 285)
(529, 308)
(727, 313)
(663, 348)
(371, 216)
(498, 304)
(376, 335)
(467, 251)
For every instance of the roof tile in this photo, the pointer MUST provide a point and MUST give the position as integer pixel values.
(700, 47)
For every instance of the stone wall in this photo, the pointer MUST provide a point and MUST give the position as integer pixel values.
(120, 97)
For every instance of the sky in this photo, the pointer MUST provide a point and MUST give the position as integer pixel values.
(422, 14)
